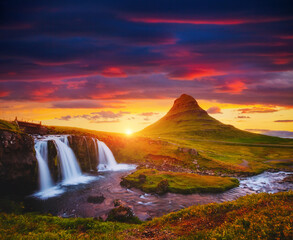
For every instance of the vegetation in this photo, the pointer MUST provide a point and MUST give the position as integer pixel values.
(257, 216)
(153, 181)
(163, 153)
(187, 120)
(5, 125)
(34, 226)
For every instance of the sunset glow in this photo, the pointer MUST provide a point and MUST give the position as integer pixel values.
(75, 64)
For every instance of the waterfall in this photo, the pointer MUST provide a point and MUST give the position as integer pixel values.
(70, 170)
(45, 178)
(69, 165)
(107, 161)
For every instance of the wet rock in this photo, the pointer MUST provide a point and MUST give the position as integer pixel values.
(142, 178)
(126, 183)
(96, 199)
(53, 162)
(122, 213)
(162, 187)
(288, 179)
(85, 152)
(117, 202)
(18, 164)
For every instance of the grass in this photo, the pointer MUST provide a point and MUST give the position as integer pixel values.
(217, 156)
(151, 180)
(5, 125)
(34, 226)
(256, 216)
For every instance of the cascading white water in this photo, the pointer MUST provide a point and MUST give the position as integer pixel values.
(45, 178)
(107, 161)
(70, 169)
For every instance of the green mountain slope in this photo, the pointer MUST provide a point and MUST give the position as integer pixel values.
(187, 120)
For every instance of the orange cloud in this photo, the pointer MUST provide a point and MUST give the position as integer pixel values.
(234, 87)
(257, 110)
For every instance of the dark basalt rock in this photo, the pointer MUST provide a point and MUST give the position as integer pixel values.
(162, 187)
(18, 164)
(85, 152)
(142, 178)
(53, 162)
(122, 213)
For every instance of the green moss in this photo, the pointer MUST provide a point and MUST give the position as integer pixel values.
(160, 182)
(10, 126)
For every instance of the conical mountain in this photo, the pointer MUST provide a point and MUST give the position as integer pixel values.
(186, 119)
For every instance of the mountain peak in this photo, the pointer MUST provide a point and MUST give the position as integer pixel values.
(185, 103)
(184, 98)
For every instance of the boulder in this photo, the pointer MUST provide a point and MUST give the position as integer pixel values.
(162, 186)
(122, 213)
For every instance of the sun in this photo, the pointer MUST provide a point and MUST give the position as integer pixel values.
(128, 131)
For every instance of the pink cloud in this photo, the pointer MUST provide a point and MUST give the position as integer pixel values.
(214, 110)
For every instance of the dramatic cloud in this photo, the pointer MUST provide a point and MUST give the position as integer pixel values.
(214, 110)
(60, 52)
(284, 121)
(257, 110)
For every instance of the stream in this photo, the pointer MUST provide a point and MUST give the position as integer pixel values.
(74, 200)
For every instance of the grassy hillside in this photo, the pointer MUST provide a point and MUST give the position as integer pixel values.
(187, 120)
(258, 216)
(216, 156)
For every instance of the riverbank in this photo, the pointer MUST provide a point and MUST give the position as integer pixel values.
(257, 216)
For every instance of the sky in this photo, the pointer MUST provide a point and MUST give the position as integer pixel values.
(117, 66)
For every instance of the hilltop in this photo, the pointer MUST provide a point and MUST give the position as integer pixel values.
(187, 120)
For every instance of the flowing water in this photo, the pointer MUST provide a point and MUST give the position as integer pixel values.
(73, 203)
(45, 178)
(70, 169)
(68, 198)
(107, 161)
